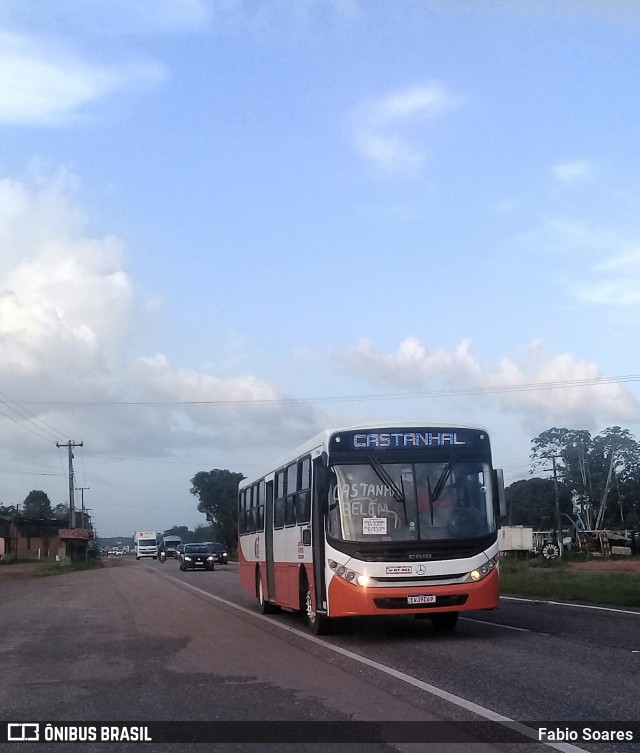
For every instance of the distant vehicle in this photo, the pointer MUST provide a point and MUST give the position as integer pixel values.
(219, 551)
(146, 544)
(179, 549)
(170, 545)
(93, 550)
(196, 555)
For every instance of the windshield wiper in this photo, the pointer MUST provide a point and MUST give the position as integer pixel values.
(398, 492)
(434, 494)
(383, 475)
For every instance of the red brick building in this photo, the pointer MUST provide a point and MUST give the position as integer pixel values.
(24, 538)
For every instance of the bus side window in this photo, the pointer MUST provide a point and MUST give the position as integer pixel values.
(261, 501)
(290, 503)
(252, 510)
(303, 501)
(241, 521)
(278, 505)
(245, 511)
(303, 507)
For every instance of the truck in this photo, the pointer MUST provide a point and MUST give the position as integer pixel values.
(146, 544)
(170, 545)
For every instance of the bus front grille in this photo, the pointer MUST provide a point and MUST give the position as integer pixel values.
(400, 602)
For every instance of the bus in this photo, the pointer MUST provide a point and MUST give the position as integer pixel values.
(375, 520)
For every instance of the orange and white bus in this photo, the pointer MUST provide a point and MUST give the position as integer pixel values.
(375, 520)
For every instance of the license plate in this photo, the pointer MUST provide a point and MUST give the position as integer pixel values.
(421, 599)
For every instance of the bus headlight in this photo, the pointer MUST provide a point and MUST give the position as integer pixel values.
(481, 572)
(349, 575)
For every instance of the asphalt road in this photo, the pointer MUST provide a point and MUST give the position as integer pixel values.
(141, 641)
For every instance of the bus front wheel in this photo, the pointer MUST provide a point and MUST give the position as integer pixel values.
(444, 621)
(317, 623)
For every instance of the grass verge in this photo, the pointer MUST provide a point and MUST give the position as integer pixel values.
(561, 583)
(60, 568)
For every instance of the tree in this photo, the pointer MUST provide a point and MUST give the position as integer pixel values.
(572, 449)
(217, 491)
(182, 531)
(618, 458)
(532, 502)
(602, 473)
(61, 511)
(37, 505)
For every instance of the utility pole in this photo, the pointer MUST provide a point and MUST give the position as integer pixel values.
(72, 509)
(558, 521)
(82, 490)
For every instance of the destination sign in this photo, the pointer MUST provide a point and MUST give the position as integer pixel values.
(399, 439)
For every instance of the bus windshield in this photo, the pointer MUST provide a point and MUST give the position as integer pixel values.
(411, 501)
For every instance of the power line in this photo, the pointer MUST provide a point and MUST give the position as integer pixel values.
(24, 426)
(453, 392)
(27, 420)
(18, 472)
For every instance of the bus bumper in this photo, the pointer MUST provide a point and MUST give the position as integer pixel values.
(347, 599)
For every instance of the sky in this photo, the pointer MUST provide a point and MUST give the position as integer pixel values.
(226, 225)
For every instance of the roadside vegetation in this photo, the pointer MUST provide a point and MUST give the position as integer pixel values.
(60, 568)
(556, 580)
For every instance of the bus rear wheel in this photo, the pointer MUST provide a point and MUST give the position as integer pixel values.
(265, 607)
(444, 621)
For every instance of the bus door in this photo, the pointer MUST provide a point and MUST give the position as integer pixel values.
(268, 540)
(318, 514)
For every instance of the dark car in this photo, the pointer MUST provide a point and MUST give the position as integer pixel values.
(219, 551)
(195, 556)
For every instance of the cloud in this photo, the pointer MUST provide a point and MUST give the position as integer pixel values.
(571, 172)
(388, 131)
(44, 84)
(109, 17)
(615, 282)
(614, 11)
(150, 15)
(594, 263)
(413, 365)
(65, 302)
(517, 388)
(226, 412)
(68, 315)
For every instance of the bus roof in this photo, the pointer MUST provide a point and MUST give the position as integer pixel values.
(321, 441)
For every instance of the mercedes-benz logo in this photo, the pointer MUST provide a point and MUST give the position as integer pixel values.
(421, 569)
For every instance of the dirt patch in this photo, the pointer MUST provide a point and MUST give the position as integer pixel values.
(12, 570)
(19, 569)
(607, 565)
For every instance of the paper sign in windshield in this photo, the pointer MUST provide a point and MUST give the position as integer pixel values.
(374, 526)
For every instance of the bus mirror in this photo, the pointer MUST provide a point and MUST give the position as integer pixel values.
(499, 498)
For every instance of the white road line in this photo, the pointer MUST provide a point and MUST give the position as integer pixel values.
(408, 679)
(569, 604)
(500, 625)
